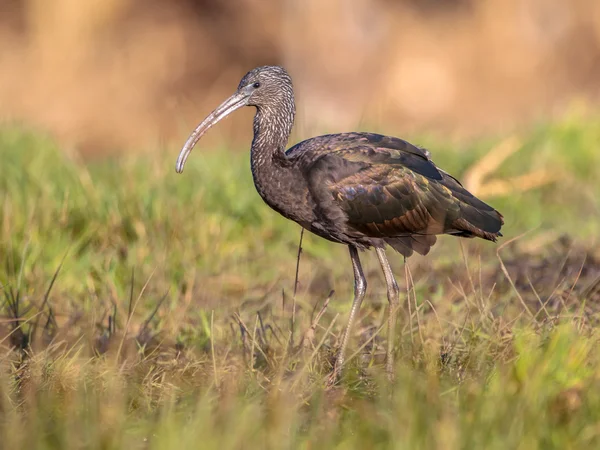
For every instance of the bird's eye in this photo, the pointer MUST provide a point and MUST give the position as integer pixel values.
(256, 85)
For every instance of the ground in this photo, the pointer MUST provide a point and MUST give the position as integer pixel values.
(144, 309)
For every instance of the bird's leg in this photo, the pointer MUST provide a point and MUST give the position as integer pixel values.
(360, 287)
(393, 293)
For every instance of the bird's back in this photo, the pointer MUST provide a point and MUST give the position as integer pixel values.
(368, 188)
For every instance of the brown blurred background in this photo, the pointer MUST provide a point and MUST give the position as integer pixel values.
(105, 75)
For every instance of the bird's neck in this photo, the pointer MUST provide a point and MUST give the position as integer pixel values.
(277, 180)
(272, 128)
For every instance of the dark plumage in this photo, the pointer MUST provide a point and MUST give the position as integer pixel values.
(359, 189)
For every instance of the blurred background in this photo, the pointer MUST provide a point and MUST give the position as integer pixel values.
(104, 75)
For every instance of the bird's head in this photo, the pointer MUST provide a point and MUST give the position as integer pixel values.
(263, 87)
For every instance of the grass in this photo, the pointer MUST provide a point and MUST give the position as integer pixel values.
(141, 309)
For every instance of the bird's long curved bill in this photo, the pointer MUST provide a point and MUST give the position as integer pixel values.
(234, 102)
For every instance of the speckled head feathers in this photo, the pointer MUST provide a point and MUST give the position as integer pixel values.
(267, 84)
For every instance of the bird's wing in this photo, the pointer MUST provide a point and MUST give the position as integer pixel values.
(388, 200)
(388, 188)
(329, 143)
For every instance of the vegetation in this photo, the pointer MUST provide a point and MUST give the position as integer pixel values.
(141, 309)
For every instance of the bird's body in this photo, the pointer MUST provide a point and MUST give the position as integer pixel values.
(366, 190)
(359, 189)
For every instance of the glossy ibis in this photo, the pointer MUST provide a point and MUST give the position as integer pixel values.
(359, 189)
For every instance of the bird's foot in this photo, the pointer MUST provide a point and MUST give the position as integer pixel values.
(334, 377)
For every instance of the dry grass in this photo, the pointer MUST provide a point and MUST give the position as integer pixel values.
(141, 309)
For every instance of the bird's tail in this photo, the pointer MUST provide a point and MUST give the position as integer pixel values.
(476, 218)
(483, 225)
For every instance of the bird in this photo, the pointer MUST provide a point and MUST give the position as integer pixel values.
(363, 190)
